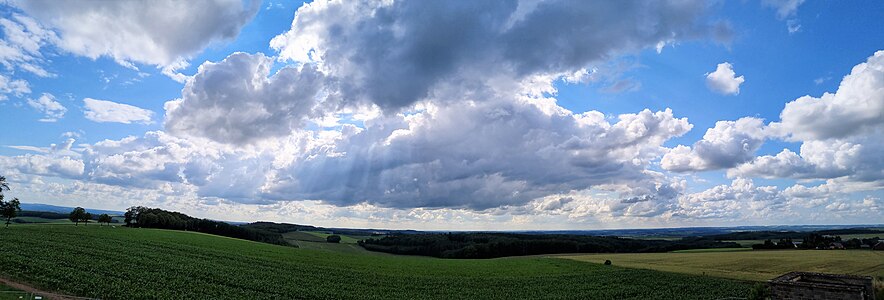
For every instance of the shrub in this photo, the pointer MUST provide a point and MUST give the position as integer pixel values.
(333, 238)
(607, 262)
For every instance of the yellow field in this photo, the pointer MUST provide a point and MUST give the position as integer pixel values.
(751, 265)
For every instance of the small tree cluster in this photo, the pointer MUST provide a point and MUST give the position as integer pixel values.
(104, 219)
(333, 238)
(78, 215)
(8, 209)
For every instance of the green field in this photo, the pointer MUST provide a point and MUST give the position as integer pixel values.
(125, 263)
(751, 265)
(43, 220)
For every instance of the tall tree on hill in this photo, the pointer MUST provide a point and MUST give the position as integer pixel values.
(77, 215)
(8, 209)
(104, 218)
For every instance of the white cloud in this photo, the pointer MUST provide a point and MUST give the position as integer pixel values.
(234, 100)
(103, 111)
(785, 8)
(726, 145)
(161, 33)
(723, 80)
(741, 199)
(11, 86)
(20, 47)
(841, 133)
(46, 104)
(60, 166)
(793, 26)
(857, 106)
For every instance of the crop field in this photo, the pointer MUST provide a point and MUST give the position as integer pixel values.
(124, 263)
(751, 265)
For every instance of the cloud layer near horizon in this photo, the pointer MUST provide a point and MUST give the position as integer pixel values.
(398, 112)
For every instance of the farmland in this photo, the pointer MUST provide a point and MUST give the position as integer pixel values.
(751, 265)
(138, 263)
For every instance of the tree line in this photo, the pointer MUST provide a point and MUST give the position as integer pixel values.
(815, 240)
(491, 245)
(145, 217)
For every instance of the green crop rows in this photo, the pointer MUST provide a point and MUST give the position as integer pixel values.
(124, 263)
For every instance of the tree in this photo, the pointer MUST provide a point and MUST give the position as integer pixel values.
(3, 185)
(333, 238)
(10, 209)
(86, 218)
(77, 215)
(104, 218)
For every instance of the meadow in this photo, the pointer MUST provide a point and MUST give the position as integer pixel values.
(139, 263)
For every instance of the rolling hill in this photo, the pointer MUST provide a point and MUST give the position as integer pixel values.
(138, 263)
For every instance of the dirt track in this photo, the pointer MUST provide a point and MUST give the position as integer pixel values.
(31, 289)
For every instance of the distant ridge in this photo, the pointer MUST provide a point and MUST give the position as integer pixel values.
(65, 209)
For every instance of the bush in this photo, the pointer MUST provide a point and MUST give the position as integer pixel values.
(607, 262)
(759, 292)
(333, 238)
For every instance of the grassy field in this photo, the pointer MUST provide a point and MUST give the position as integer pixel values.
(348, 248)
(43, 220)
(294, 236)
(124, 263)
(751, 265)
(713, 250)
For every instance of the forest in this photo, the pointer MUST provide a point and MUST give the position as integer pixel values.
(144, 217)
(491, 245)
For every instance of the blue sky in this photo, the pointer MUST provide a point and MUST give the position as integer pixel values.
(297, 159)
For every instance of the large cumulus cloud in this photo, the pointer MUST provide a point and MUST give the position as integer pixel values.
(398, 52)
(842, 133)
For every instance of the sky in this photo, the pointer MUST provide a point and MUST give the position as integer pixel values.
(450, 115)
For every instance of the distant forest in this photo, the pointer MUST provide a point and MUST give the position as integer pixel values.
(491, 245)
(139, 216)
